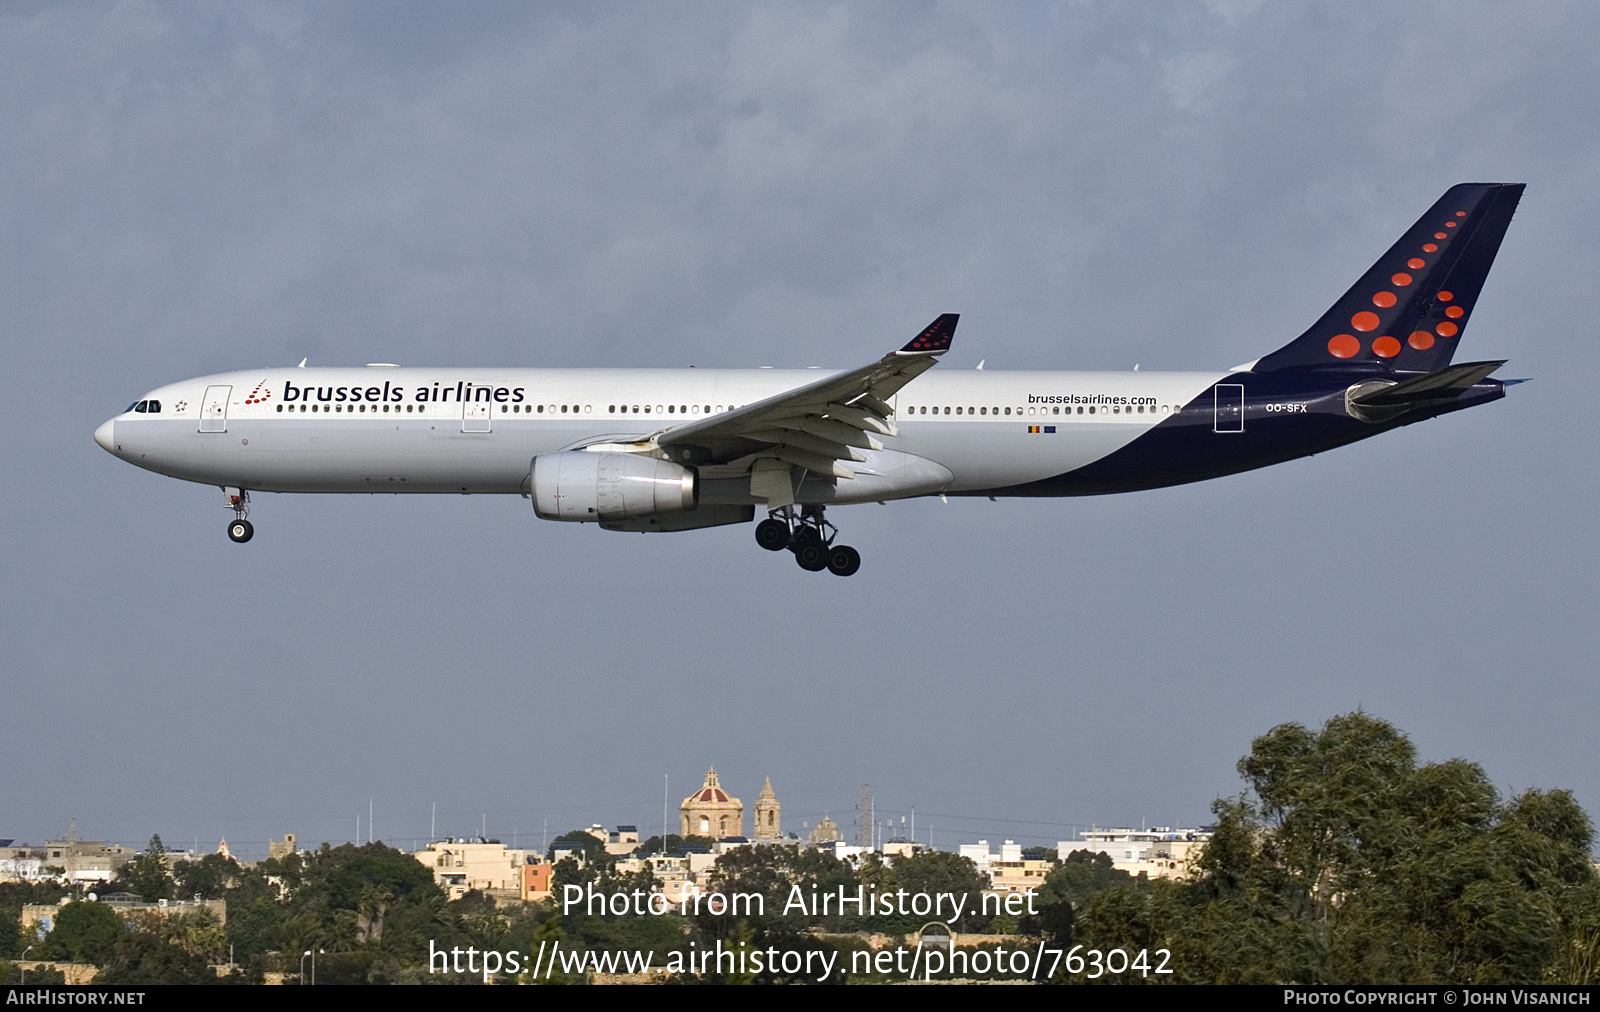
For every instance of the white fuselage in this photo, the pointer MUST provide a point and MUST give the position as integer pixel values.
(385, 429)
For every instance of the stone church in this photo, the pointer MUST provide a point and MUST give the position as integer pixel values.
(712, 811)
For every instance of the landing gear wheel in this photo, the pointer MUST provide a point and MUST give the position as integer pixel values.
(812, 556)
(241, 530)
(843, 560)
(772, 534)
(805, 536)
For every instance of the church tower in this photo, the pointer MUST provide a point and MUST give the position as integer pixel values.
(769, 814)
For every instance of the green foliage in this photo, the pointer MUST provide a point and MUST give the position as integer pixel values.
(1346, 862)
(934, 872)
(12, 973)
(141, 958)
(594, 850)
(675, 845)
(210, 878)
(84, 933)
(1069, 885)
(146, 876)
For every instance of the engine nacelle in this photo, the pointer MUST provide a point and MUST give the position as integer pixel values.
(584, 486)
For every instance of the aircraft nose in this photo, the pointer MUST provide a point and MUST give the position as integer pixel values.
(103, 436)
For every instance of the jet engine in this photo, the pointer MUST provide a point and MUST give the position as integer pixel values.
(588, 486)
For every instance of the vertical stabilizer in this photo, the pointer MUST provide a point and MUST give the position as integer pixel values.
(1408, 311)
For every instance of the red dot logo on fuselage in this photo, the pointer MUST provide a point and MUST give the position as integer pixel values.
(259, 395)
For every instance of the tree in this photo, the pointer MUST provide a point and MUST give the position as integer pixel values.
(147, 876)
(675, 846)
(594, 850)
(1346, 862)
(85, 933)
(1070, 884)
(141, 958)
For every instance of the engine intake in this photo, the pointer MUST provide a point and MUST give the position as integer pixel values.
(584, 486)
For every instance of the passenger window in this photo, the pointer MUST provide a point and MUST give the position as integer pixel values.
(280, 409)
(983, 411)
(1008, 411)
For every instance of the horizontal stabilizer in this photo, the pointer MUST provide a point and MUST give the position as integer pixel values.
(1441, 385)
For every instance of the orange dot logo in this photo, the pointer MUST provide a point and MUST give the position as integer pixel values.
(1449, 224)
(1429, 247)
(1438, 235)
(1386, 347)
(1400, 280)
(1364, 321)
(1447, 329)
(1455, 312)
(1383, 300)
(1446, 296)
(1420, 340)
(1343, 345)
(1416, 263)
(1461, 214)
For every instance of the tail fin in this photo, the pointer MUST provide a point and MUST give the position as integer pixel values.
(1408, 311)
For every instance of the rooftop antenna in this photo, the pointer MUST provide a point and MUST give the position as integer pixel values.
(302, 364)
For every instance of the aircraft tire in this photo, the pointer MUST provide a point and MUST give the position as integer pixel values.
(812, 557)
(804, 536)
(772, 534)
(843, 560)
(241, 530)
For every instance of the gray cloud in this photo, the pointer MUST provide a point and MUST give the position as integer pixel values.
(196, 188)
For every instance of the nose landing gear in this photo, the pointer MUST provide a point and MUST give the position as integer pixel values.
(240, 530)
(810, 537)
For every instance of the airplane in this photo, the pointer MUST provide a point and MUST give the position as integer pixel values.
(651, 450)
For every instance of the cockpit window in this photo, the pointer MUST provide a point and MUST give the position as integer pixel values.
(145, 407)
(134, 406)
(155, 407)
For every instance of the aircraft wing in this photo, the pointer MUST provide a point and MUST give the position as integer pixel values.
(813, 428)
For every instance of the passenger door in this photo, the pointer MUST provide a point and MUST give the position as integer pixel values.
(214, 409)
(475, 415)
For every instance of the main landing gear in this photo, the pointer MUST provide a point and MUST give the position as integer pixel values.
(810, 537)
(239, 529)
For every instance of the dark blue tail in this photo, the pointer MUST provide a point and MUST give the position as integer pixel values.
(1408, 311)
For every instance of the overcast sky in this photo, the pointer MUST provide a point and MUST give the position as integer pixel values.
(192, 188)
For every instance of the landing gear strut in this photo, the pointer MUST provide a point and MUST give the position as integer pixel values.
(810, 537)
(240, 530)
